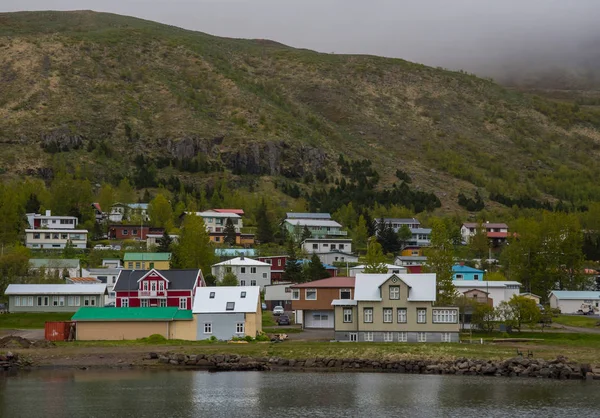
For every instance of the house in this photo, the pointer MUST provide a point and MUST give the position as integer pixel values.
(102, 324)
(53, 297)
(398, 223)
(533, 297)
(227, 253)
(395, 308)
(98, 214)
(47, 221)
(56, 267)
(420, 236)
(153, 240)
(135, 232)
(414, 264)
(391, 269)
(301, 215)
(239, 212)
(55, 239)
(216, 221)
(108, 276)
(311, 302)
(498, 291)
(338, 257)
(249, 272)
(279, 294)
(157, 288)
(318, 228)
(412, 251)
(496, 232)
(278, 263)
(147, 261)
(244, 240)
(82, 280)
(570, 301)
(319, 246)
(225, 312)
(111, 263)
(120, 212)
(462, 272)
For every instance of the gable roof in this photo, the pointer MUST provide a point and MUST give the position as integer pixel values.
(235, 211)
(411, 258)
(306, 215)
(338, 252)
(400, 220)
(575, 294)
(203, 303)
(313, 222)
(56, 289)
(422, 286)
(329, 282)
(147, 257)
(178, 279)
(304, 262)
(328, 240)
(457, 268)
(90, 314)
(213, 214)
(54, 263)
(241, 261)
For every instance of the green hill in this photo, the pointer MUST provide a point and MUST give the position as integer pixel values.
(107, 92)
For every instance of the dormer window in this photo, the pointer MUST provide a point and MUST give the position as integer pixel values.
(243, 295)
(212, 295)
(230, 306)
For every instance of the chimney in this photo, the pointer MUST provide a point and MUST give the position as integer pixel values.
(462, 263)
(48, 213)
(242, 257)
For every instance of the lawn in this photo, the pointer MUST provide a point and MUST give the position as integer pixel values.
(580, 321)
(268, 320)
(32, 320)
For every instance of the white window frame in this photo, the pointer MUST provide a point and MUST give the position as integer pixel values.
(17, 300)
(446, 337)
(208, 327)
(444, 316)
(396, 294)
(368, 315)
(421, 315)
(388, 337)
(183, 303)
(402, 316)
(252, 282)
(347, 290)
(421, 337)
(252, 270)
(403, 337)
(369, 336)
(353, 337)
(388, 315)
(295, 294)
(124, 302)
(153, 286)
(144, 303)
(242, 282)
(61, 301)
(161, 286)
(239, 328)
(347, 315)
(243, 270)
(163, 303)
(306, 294)
(145, 286)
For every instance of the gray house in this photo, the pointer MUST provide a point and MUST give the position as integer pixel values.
(227, 311)
(53, 297)
(56, 266)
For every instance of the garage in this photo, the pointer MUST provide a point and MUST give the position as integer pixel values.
(318, 319)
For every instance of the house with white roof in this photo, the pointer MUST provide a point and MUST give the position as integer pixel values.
(56, 267)
(391, 269)
(120, 212)
(48, 221)
(570, 301)
(304, 215)
(225, 312)
(55, 239)
(337, 256)
(319, 228)
(326, 245)
(248, 271)
(494, 292)
(395, 308)
(53, 297)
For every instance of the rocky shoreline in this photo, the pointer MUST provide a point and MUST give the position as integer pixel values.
(559, 368)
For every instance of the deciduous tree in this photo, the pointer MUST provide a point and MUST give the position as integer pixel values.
(293, 269)
(375, 260)
(229, 279)
(440, 258)
(161, 212)
(194, 249)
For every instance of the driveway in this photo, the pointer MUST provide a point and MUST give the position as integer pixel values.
(312, 335)
(30, 334)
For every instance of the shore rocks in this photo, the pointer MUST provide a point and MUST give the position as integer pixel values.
(11, 362)
(559, 368)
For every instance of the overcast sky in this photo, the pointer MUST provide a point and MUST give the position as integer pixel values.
(469, 34)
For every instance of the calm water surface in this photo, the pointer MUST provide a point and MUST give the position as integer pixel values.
(182, 394)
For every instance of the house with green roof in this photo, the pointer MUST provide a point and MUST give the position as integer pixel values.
(147, 261)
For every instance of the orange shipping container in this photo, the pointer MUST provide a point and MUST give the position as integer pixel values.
(57, 331)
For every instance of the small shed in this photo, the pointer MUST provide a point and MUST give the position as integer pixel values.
(570, 301)
(533, 297)
(133, 323)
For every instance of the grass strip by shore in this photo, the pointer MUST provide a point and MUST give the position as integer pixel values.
(577, 321)
(32, 320)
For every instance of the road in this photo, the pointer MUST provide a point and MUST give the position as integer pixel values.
(30, 334)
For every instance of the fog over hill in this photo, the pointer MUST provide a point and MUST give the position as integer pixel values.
(547, 43)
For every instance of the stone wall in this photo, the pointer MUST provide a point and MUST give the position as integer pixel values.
(560, 368)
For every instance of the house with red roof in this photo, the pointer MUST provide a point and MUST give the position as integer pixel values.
(496, 232)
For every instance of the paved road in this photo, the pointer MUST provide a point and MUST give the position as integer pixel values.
(568, 328)
(30, 334)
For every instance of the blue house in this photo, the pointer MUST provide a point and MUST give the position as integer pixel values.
(466, 273)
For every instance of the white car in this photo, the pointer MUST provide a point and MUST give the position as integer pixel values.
(278, 310)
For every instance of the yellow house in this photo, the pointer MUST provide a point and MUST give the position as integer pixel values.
(412, 252)
(533, 297)
(147, 261)
(395, 308)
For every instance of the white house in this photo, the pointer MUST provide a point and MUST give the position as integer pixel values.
(410, 260)
(279, 294)
(249, 272)
(495, 231)
(56, 266)
(391, 269)
(498, 291)
(47, 221)
(216, 221)
(570, 301)
(55, 239)
(326, 245)
(337, 257)
(398, 223)
(108, 276)
(124, 211)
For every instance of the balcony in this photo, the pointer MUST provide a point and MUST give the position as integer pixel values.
(152, 294)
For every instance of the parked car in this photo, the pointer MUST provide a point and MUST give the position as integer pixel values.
(264, 306)
(278, 310)
(283, 320)
(116, 247)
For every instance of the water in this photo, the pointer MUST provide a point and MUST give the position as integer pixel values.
(182, 394)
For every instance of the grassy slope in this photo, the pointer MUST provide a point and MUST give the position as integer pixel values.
(31, 320)
(88, 75)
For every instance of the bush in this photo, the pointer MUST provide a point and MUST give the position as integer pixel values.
(213, 339)
(155, 339)
(263, 337)
(249, 338)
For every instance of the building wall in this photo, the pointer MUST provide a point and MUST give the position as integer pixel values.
(223, 325)
(497, 294)
(408, 252)
(262, 275)
(399, 270)
(468, 276)
(568, 306)
(533, 298)
(183, 330)
(253, 324)
(326, 246)
(337, 258)
(412, 337)
(48, 239)
(98, 300)
(112, 330)
(147, 265)
(324, 298)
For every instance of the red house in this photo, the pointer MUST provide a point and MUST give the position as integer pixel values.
(132, 232)
(162, 288)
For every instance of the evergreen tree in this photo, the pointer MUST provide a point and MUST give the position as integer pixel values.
(306, 234)
(229, 232)
(164, 243)
(264, 225)
(69, 251)
(375, 260)
(404, 235)
(440, 258)
(388, 238)
(293, 269)
(229, 279)
(33, 204)
(194, 249)
(315, 270)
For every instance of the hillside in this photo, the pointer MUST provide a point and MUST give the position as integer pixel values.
(100, 90)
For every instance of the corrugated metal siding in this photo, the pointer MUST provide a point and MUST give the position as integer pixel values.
(223, 325)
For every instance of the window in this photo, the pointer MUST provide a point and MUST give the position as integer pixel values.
(36, 236)
(353, 337)
(61, 301)
(182, 303)
(369, 336)
(368, 315)
(252, 270)
(64, 236)
(208, 327)
(243, 270)
(311, 294)
(444, 316)
(269, 261)
(17, 301)
(55, 236)
(47, 236)
(144, 285)
(459, 277)
(137, 265)
(230, 306)
(325, 245)
(402, 315)
(124, 302)
(151, 265)
(144, 303)
(252, 282)
(476, 277)
(242, 282)
(218, 239)
(347, 315)
(264, 275)
(333, 246)
(402, 337)
(130, 264)
(243, 295)
(239, 328)
(345, 294)
(421, 337)
(211, 295)
(134, 232)
(161, 286)
(394, 292)
(153, 286)
(125, 232)
(55, 301)
(341, 246)
(163, 303)
(388, 337)
(388, 315)
(315, 246)
(279, 262)
(446, 337)
(228, 269)
(421, 316)
(295, 294)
